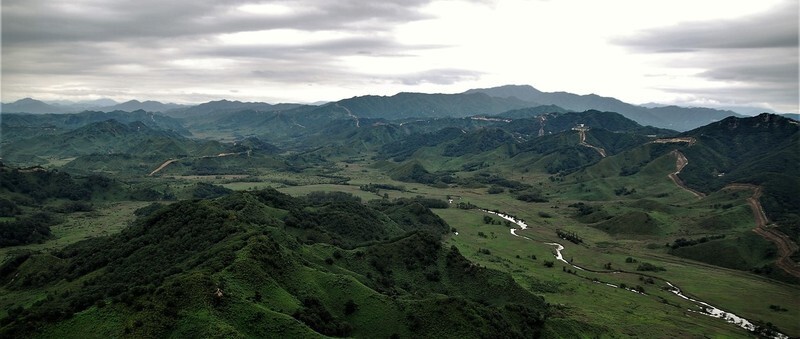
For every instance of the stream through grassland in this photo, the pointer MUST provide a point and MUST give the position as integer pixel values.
(702, 307)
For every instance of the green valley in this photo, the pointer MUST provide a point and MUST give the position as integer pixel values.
(375, 217)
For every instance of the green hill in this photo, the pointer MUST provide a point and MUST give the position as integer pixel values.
(136, 149)
(760, 150)
(231, 267)
(105, 137)
(479, 141)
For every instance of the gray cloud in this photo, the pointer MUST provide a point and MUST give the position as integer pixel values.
(36, 21)
(125, 44)
(776, 28)
(779, 73)
(445, 76)
(753, 59)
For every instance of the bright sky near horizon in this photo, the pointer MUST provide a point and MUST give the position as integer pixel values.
(712, 53)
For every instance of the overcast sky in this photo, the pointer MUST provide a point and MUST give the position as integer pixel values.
(688, 52)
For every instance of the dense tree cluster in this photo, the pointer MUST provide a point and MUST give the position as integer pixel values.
(31, 195)
(571, 236)
(204, 190)
(375, 188)
(683, 242)
(34, 228)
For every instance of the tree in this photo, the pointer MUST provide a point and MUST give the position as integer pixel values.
(350, 307)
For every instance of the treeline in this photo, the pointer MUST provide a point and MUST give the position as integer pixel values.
(683, 242)
(29, 229)
(375, 188)
(483, 178)
(32, 195)
(571, 236)
(39, 184)
(203, 190)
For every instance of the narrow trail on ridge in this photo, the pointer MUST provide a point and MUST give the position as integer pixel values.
(785, 244)
(350, 114)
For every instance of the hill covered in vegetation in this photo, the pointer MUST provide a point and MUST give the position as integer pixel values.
(266, 264)
(761, 150)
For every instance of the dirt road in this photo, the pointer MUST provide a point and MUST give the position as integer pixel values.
(785, 244)
(584, 143)
(165, 164)
(680, 163)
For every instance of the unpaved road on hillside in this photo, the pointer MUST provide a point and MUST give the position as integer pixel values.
(584, 143)
(785, 244)
(680, 163)
(164, 165)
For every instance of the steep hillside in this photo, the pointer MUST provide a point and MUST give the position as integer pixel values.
(760, 150)
(231, 267)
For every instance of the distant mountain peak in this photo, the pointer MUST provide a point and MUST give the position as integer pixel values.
(29, 105)
(672, 117)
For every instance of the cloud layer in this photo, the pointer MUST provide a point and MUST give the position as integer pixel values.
(309, 50)
(754, 59)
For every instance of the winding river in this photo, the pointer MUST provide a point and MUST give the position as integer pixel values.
(704, 307)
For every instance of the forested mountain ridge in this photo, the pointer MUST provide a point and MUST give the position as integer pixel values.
(108, 136)
(63, 122)
(231, 266)
(414, 105)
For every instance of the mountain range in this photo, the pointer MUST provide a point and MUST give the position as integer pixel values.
(29, 105)
(673, 117)
(484, 101)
